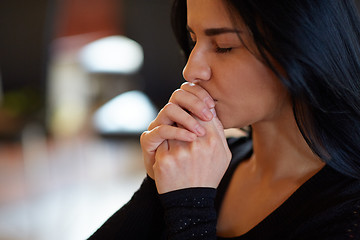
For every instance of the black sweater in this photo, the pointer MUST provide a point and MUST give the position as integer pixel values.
(326, 207)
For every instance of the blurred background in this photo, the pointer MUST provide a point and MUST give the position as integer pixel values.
(79, 81)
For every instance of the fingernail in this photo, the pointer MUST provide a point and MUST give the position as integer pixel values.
(212, 110)
(207, 114)
(200, 130)
(209, 102)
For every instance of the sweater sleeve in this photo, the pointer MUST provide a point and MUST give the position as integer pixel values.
(141, 218)
(190, 213)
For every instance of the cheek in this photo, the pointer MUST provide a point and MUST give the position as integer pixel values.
(252, 93)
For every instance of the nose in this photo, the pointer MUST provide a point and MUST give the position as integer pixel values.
(197, 67)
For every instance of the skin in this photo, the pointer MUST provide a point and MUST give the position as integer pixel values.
(185, 145)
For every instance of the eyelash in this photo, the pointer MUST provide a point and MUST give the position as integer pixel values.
(217, 49)
(223, 50)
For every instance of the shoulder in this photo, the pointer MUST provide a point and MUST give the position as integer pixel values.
(332, 189)
(331, 207)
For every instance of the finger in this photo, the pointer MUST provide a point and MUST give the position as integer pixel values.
(191, 103)
(200, 92)
(218, 125)
(215, 126)
(220, 129)
(163, 147)
(172, 113)
(151, 140)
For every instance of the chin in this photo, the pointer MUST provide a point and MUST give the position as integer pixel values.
(226, 119)
(230, 124)
(224, 123)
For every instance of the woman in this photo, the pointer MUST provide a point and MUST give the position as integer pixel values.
(290, 70)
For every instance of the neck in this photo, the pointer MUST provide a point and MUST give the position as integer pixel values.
(280, 151)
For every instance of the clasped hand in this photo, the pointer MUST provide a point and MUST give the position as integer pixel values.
(185, 145)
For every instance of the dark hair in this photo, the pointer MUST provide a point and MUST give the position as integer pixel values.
(317, 44)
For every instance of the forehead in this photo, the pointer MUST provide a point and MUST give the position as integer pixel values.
(207, 13)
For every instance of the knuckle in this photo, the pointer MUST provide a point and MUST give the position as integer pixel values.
(168, 107)
(196, 147)
(163, 164)
(181, 154)
(162, 130)
(175, 94)
(151, 125)
(212, 141)
(142, 136)
(144, 139)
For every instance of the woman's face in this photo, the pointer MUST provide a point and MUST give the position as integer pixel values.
(246, 92)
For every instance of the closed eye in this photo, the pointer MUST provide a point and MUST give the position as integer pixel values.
(223, 50)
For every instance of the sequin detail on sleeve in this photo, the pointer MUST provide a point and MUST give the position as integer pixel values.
(190, 213)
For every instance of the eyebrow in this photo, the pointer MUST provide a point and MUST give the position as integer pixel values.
(216, 31)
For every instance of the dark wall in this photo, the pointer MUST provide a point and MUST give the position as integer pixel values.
(23, 27)
(25, 35)
(148, 23)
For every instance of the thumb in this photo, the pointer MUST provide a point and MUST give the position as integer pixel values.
(214, 124)
(216, 121)
(220, 129)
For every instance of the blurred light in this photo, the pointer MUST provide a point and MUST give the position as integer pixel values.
(128, 113)
(114, 54)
